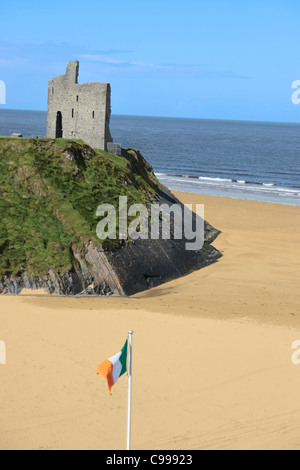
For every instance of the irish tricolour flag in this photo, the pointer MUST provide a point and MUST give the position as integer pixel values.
(114, 367)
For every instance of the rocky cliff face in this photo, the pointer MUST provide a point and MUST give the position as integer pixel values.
(50, 190)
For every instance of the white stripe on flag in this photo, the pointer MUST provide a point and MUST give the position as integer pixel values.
(117, 366)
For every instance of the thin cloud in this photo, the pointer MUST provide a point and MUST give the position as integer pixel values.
(48, 56)
(122, 62)
(188, 70)
(43, 53)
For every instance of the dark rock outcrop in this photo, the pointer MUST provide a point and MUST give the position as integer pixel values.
(145, 264)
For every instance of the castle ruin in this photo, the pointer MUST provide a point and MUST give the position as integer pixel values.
(79, 111)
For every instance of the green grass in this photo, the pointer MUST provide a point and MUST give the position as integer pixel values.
(50, 190)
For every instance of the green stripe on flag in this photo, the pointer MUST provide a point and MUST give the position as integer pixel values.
(123, 358)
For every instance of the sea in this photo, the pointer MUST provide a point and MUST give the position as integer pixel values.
(239, 159)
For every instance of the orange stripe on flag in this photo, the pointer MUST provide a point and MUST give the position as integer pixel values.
(105, 369)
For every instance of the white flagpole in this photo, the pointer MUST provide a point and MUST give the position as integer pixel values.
(130, 333)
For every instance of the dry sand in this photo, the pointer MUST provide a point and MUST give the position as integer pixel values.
(212, 351)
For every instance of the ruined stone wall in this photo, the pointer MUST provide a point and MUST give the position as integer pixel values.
(84, 110)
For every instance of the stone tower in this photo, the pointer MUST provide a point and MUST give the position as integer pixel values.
(79, 111)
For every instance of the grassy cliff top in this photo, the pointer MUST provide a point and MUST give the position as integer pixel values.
(50, 190)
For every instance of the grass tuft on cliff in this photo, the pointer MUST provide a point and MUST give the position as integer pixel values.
(50, 190)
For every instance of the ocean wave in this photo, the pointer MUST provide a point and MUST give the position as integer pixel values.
(220, 180)
(226, 185)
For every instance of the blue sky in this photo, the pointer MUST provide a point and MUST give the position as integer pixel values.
(202, 59)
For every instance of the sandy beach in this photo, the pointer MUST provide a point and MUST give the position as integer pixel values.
(212, 352)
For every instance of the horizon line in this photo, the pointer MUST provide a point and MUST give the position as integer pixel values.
(167, 117)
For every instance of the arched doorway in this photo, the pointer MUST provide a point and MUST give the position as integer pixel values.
(59, 128)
